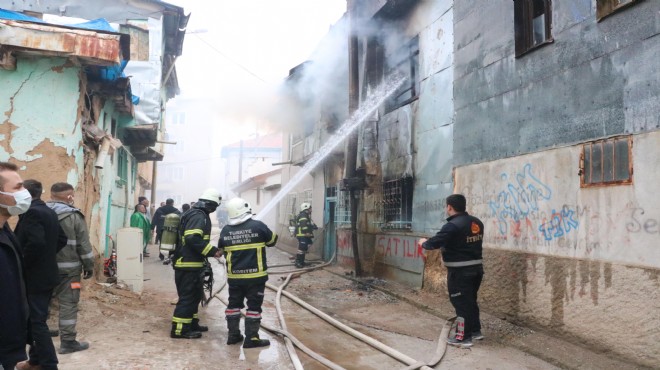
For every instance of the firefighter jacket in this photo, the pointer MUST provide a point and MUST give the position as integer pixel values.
(77, 255)
(194, 241)
(305, 225)
(460, 241)
(244, 248)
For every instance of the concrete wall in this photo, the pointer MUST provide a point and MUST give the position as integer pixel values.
(594, 80)
(413, 140)
(584, 261)
(39, 128)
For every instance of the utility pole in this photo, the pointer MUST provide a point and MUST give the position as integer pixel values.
(352, 145)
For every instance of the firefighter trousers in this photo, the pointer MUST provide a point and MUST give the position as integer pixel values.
(253, 293)
(67, 294)
(463, 285)
(189, 285)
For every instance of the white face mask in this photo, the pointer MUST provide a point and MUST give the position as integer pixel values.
(23, 201)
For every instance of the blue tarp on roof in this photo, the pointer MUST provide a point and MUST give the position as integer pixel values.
(94, 25)
(110, 73)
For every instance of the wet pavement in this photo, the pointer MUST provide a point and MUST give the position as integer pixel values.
(127, 331)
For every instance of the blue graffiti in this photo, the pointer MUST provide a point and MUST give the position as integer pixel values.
(560, 224)
(520, 198)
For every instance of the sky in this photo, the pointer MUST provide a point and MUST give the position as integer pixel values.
(235, 52)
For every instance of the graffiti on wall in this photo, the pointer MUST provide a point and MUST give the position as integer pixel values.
(519, 209)
(345, 248)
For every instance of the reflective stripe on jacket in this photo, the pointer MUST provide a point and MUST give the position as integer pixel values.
(244, 247)
(77, 255)
(304, 225)
(194, 243)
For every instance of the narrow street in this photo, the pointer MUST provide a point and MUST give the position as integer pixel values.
(127, 331)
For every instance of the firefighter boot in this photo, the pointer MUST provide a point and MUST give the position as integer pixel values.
(252, 334)
(184, 331)
(196, 327)
(300, 260)
(233, 327)
(70, 346)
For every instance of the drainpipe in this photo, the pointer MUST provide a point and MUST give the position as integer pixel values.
(352, 146)
(154, 172)
(107, 223)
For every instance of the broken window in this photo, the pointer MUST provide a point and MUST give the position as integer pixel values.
(139, 36)
(607, 7)
(404, 61)
(397, 203)
(607, 162)
(532, 24)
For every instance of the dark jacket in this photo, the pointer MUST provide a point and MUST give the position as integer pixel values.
(460, 241)
(194, 242)
(244, 248)
(305, 225)
(40, 236)
(13, 300)
(159, 216)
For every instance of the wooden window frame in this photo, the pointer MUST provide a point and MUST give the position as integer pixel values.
(605, 8)
(524, 29)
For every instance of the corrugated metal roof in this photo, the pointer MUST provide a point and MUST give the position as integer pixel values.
(95, 47)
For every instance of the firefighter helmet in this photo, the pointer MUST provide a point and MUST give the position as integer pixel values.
(238, 207)
(305, 206)
(212, 195)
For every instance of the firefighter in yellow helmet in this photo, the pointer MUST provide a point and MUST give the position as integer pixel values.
(244, 241)
(193, 247)
(304, 232)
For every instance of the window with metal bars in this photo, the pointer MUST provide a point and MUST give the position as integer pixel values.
(607, 162)
(397, 203)
(288, 209)
(343, 208)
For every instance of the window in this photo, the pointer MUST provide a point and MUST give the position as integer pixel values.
(606, 162)
(607, 7)
(177, 173)
(139, 37)
(397, 203)
(113, 127)
(179, 147)
(532, 24)
(288, 210)
(122, 166)
(405, 61)
(343, 208)
(179, 118)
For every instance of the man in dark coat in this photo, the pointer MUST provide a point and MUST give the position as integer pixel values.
(40, 235)
(14, 200)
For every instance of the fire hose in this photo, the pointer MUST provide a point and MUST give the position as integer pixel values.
(412, 363)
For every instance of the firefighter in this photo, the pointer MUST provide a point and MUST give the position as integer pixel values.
(243, 241)
(304, 228)
(189, 261)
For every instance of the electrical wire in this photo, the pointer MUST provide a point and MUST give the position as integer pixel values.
(230, 59)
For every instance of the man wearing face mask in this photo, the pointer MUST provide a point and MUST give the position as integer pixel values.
(193, 247)
(41, 237)
(74, 259)
(14, 200)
